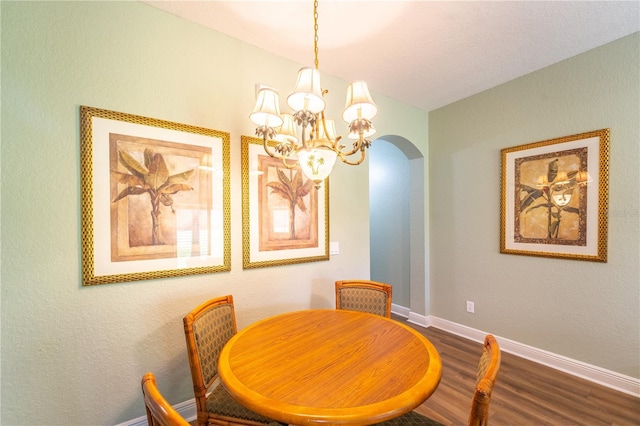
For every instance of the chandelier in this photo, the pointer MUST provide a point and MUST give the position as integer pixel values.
(306, 137)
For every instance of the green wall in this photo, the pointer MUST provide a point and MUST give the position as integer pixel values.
(586, 311)
(78, 353)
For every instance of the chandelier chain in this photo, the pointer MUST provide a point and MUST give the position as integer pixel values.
(315, 31)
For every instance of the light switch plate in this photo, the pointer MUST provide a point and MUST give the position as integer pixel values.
(334, 247)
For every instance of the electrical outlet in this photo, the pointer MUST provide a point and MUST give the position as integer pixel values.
(470, 307)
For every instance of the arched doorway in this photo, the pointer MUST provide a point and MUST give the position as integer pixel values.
(397, 222)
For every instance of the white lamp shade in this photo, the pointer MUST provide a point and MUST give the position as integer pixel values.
(359, 103)
(330, 133)
(316, 163)
(267, 109)
(307, 95)
(287, 132)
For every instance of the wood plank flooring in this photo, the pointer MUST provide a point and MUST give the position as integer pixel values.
(526, 393)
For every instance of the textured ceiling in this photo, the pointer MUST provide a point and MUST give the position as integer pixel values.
(424, 53)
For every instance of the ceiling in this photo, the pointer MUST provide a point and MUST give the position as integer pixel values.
(423, 53)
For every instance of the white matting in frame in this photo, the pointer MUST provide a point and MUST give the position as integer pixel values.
(554, 197)
(285, 220)
(155, 198)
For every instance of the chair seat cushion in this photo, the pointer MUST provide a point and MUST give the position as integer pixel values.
(409, 419)
(220, 402)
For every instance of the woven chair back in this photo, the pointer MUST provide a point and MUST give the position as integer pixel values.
(364, 296)
(212, 329)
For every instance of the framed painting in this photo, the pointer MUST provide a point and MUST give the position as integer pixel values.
(285, 219)
(554, 197)
(155, 198)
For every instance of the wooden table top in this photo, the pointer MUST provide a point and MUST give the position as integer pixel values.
(330, 367)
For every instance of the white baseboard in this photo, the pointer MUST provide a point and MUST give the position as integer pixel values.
(611, 379)
(187, 409)
(412, 317)
(400, 310)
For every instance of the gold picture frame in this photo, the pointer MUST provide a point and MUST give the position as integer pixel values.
(155, 198)
(285, 220)
(555, 198)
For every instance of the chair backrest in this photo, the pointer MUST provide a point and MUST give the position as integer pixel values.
(487, 373)
(207, 329)
(159, 411)
(364, 296)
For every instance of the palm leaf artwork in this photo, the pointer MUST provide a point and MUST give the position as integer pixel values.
(555, 194)
(293, 190)
(314, 164)
(152, 178)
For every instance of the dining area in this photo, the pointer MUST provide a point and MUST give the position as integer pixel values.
(352, 365)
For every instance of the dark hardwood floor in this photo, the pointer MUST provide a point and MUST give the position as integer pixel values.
(525, 393)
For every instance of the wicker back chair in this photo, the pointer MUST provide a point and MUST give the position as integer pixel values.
(487, 373)
(207, 329)
(364, 296)
(159, 411)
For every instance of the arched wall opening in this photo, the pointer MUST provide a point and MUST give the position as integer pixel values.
(397, 222)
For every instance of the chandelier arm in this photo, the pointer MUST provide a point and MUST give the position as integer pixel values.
(289, 166)
(305, 119)
(305, 142)
(357, 146)
(267, 148)
(351, 163)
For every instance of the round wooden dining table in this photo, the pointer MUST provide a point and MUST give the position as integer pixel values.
(329, 367)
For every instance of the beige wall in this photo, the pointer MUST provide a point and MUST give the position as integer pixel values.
(586, 311)
(77, 353)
